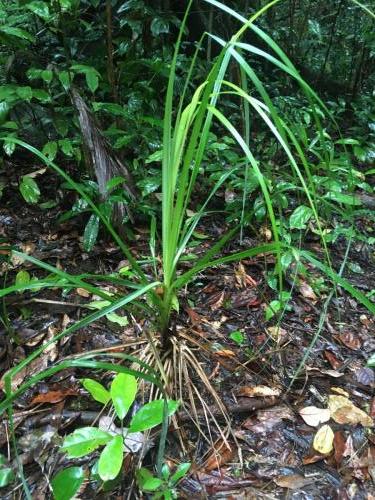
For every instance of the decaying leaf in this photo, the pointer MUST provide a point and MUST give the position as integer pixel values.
(216, 300)
(292, 481)
(258, 391)
(350, 340)
(339, 390)
(332, 359)
(277, 333)
(82, 292)
(323, 440)
(365, 376)
(242, 278)
(220, 455)
(315, 416)
(343, 411)
(54, 396)
(307, 292)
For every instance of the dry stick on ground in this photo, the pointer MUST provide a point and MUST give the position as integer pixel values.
(105, 162)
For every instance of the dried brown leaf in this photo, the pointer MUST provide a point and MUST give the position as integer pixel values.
(219, 456)
(307, 292)
(258, 391)
(54, 396)
(293, 481)
(343, 411)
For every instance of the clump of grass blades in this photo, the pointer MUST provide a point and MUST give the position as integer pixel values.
(185, 137)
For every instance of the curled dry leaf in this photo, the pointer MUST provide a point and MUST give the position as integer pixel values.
(323, 440)
(339, 390)
(54, 396)
(258, 391)
(350, 341)
(82, 292)
(332, 359)
(343, 411)
(216, 300)
(315, 416)
(307, 292)
(242, 278)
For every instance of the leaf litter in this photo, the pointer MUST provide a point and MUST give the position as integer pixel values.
(279, 431)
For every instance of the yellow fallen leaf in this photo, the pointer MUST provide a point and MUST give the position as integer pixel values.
(338, 390)
(315, 416)
(323, 440)
(343, 411)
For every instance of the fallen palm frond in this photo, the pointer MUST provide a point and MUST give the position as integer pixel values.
(105, 162)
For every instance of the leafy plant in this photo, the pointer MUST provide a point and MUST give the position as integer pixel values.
(165, 486)
(86, 440)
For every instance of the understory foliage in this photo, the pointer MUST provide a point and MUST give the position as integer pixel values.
(265, 120)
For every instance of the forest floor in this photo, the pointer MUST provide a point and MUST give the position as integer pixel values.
(274, 415)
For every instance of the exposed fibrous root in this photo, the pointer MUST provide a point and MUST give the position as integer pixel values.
(184, 377)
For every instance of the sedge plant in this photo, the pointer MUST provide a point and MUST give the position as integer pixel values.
(186, 128)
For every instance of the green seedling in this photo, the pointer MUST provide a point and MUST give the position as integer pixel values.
(112, 442)
(165, 486)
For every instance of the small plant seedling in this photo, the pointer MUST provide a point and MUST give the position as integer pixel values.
(237, 337)
(164, 487)
(113, 442)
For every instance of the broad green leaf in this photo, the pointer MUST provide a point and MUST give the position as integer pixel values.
(22, 278)
(29, 189)
(9, 147)
(66, 147)
(345, 199)
(151, 414)
(237, 337)
(272, 309)
(97, 390)
(25, 93)
(19, 33)
(146, 481)
(6, 476)
(64, 79)
(92, 80)
(39, 8)
(159, 25)
(348, 142)
(116, 318)
(91, 233)
(33, 73)
(50, 150)
(113, 317)
(180, 472)
(67, 483)
(84, 441)
(299, 217)
(47, 75)
(4, 110)
(61, 125)
(66, 4)
(123, 392)
(114, 182)
(111, 458)
(41, 95)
